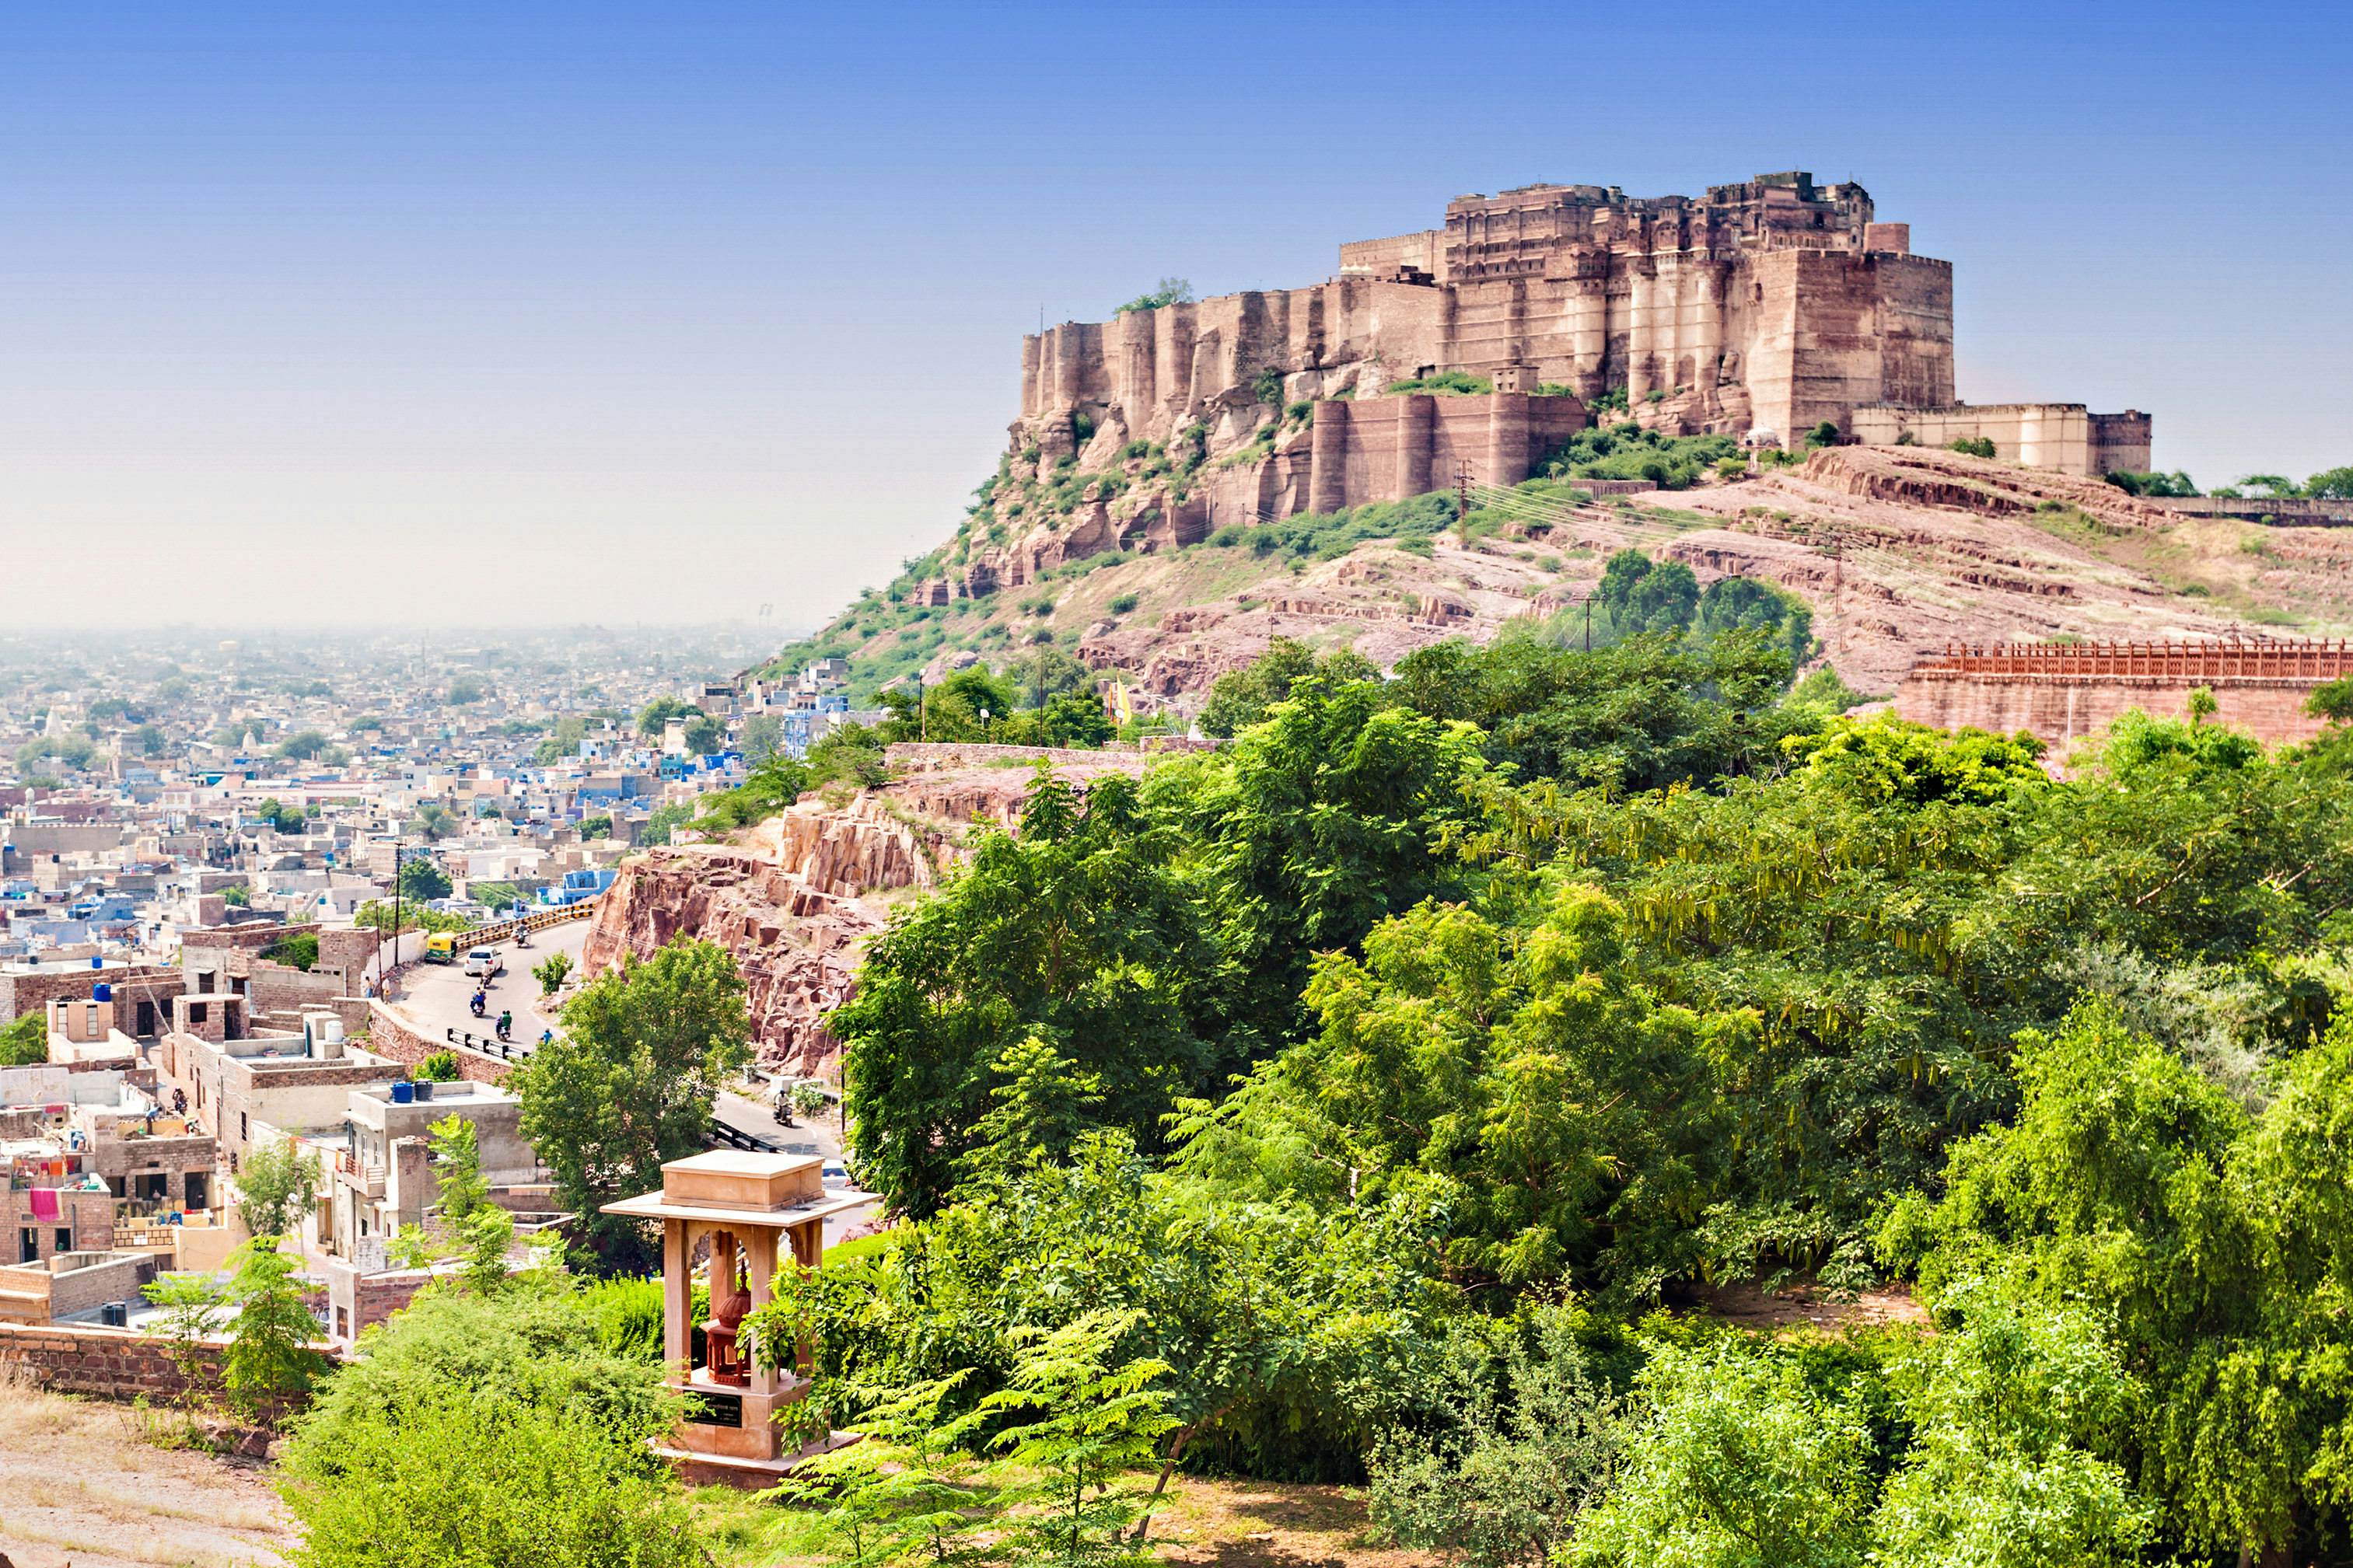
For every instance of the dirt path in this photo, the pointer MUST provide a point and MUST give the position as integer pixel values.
(80, 1489)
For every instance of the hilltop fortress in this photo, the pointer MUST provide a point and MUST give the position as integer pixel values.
(1761, 310)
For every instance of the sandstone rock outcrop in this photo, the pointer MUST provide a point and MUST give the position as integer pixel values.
(795, 898)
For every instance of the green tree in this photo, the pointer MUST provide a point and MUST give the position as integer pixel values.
(1044, 1104)
(275, 1184)
(470, 1430)
(457, 1168)
(561, 741)
(271, 1356)
(704, 736)
(189, 1312)
(441, 1067)
(1310, 829)
(772, 786)
(1737, 1464)
(25, 1040)
(303, 746)
(1530, 1086)
(2011, 1414)
(630, 1081)
(1639, 715)
(422, 880)
(2331, 484)
(552, 972)
(2212, 1236)
(598, 826)
(436, 822)
(1083, 1418)
(1075, 930)
(1522, 1436)
(764, 737)
(1170, 291)
(659, 713)
(662, 821)
(1240, 698)
(968, 705)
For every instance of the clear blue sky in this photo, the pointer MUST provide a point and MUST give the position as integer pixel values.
(555, 312)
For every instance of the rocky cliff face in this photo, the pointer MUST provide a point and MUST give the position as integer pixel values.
(795, 898)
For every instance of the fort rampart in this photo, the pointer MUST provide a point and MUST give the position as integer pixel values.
(2063, 693)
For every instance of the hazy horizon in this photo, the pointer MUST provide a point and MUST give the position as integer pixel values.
(610, 314)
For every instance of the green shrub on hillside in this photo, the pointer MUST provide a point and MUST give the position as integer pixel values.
(1451, 382)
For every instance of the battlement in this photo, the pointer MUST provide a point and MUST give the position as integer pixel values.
(2063, 693)
(1516, 232)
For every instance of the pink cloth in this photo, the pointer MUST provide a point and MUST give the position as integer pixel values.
(44, 1203)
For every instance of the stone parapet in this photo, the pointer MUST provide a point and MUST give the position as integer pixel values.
(2066, 692)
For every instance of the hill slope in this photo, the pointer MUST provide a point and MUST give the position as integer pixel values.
(1899, 551)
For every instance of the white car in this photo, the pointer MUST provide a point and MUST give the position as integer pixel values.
(484, 962)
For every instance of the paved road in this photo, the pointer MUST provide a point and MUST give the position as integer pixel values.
(434, 997)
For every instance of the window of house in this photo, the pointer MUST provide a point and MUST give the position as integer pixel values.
(29, 1245)
(243, 1131)
(65, 1238)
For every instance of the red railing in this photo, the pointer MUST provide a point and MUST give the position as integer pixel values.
(2305, 659)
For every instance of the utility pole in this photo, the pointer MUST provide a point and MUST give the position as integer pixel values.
(1463, 504)
(383, 974)
(1838, 586)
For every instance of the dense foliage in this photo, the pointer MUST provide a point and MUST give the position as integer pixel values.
(1337, 1061)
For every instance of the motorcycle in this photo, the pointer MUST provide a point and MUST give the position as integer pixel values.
(479, 1005)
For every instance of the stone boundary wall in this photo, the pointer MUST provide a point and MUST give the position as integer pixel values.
(392, 1036)
(935, 756)
(2282, 511)
(2061, 709)
(111, 1363)
(2063, 693)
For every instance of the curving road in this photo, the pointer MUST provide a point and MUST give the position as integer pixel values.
(434, 996)
(434, 999)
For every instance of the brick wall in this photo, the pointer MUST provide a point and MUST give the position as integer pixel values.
(113, 1364)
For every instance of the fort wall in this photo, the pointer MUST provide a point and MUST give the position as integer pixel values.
(2063, 693)
(2062, 437)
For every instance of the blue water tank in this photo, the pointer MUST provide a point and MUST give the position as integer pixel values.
(104, 993)
(404, 1093)
(98, 964)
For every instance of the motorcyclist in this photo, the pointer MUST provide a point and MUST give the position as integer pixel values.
(547, 1037)
(506, 1024)
(480, 1003)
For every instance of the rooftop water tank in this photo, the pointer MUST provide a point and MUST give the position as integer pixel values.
(404, 1093)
